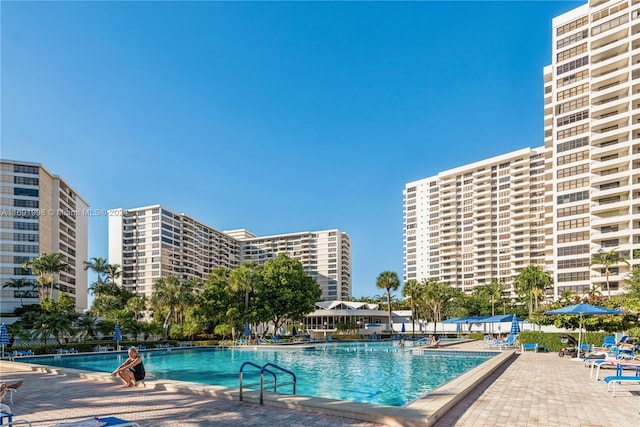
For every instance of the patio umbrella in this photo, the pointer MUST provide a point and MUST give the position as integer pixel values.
(582, 310)
(4, 336)
(247, 332)
(117, 335)
(294, 331)
(515, 326)
(403, 330)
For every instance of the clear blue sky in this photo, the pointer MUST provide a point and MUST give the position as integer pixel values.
(272, 116)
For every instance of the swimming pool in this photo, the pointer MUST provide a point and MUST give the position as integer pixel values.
(361, 372)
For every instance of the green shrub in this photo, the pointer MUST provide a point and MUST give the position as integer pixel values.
(552, 339)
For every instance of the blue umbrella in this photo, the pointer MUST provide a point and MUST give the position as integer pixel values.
(403, 330)
(4, 336)
(294, 331)
(582, 310)
(117, 335)
(247, 332)
(515, 327)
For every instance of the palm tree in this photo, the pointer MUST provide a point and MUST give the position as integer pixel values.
(244, 280)
(19, 284)
(531, 282)
(494, 291)
(136, 305)
(411, 290)
(607, 259)
(435, 297)
(389, 281)
(97, 265)
(87, 326)
(114, 272)
(171, 293)
(46, 266)
(56, 324)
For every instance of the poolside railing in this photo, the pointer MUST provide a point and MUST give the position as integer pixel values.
(264, 369)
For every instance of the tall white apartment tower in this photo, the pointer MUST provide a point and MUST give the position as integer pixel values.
(592, 132)
(40, 213)
(153, 242)
(325, 256)
(470, 225)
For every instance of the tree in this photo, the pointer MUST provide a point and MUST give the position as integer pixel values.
(632, 281)
(435, 297)
(136, 305)
(46, 266)
(99, 267)
(56, 324)
(245, 280)
(286, 291)
(171, 293)
(19, 284)
(531, 283)
(87, 326)
(388, 280)
(412, 290)
(607, 260)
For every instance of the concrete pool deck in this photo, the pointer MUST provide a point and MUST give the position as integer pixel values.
(531, 389)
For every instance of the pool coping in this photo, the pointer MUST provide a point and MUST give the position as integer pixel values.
(424, 411)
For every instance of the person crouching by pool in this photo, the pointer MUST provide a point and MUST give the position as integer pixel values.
(132, 370)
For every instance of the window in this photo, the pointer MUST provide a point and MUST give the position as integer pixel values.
(570, 53)
(575, 130)
(573, 157)
(573, 223)
(573, 197)
(570, 145)
(564, 42)
(573, 237)
(573, 210)
(574, 183)
(572, 78)
(573, 277)
(574, 170)
(572, 25)
(576, 63)
(568, 93)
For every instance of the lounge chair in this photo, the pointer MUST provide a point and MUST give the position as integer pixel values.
(6, 415)
(509, 342)
(618, 379)
(100, 422)
(529, 347)
(10, 388)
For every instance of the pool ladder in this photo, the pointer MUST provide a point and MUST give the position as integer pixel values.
(264, 369)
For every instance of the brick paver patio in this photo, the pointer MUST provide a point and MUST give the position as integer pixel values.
(534, 390)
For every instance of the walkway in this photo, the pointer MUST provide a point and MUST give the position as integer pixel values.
(534, 390)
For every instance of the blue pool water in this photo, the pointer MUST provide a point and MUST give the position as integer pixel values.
(361, 372)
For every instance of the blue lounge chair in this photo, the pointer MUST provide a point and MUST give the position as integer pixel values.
(530, 347)
(618, 379)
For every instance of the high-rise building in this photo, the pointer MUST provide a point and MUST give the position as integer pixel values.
(153, 242)
(40, 213)
(477, 223)
(592, 132)
(325, 255)
(590, 185)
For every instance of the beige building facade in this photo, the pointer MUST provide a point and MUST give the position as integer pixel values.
(587, 199)
(153, 242)
(40, 213)
(592, 132)
(477, 223)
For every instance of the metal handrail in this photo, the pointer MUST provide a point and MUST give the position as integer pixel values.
(275, 385)
(262, 370)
